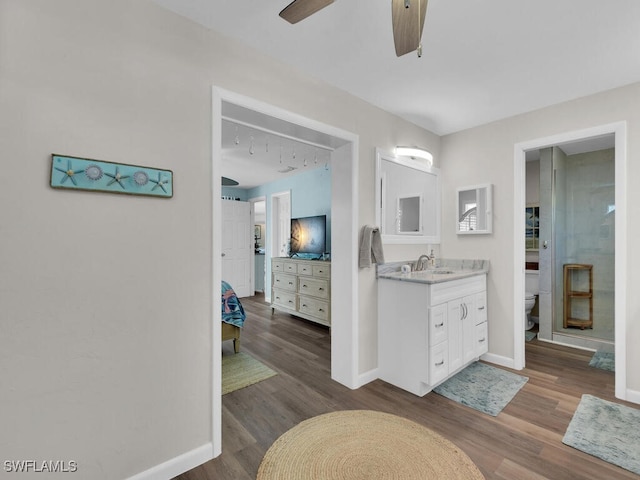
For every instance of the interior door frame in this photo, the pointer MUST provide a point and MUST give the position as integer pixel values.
(619, 129)
(252, 202)
(344, 247)
(274, 238)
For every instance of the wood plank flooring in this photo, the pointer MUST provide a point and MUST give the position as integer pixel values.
(523, 442)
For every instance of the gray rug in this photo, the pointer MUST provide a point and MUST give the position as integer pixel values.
(482, 387)
(606, 430)
(604, 361)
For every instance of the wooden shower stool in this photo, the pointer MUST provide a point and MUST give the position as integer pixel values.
(571, 295)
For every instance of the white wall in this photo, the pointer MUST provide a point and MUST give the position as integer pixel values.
(491, 148)
(105, 351)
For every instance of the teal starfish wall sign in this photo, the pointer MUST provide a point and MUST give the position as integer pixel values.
(76, 173)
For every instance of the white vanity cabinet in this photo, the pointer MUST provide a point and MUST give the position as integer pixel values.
(427, 332)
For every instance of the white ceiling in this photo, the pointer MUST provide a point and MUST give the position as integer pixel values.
(258, 149)
(482, 60)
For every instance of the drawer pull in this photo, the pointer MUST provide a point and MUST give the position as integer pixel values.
(481, 340)
(304, 285)
(277, 298)
(440, 325)
(481, 308)
(320, 289)
(439, 364)
(290, 301)
(290, 283)
(320, 310)
(304, 304)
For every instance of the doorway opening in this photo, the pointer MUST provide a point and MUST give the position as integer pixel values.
(344, 238)
(618, 133)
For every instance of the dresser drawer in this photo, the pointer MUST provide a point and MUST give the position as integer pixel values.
(314, 287)
(277, 266)
(282, 298)
(284, 281)
(322, 270)
(314, 307)
(290, 267)
(305, 269)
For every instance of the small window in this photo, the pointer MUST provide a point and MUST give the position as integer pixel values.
(532, 227)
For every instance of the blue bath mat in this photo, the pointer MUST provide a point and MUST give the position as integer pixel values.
(604, 360)
(482, 387)
(606, 430)
(528, 336)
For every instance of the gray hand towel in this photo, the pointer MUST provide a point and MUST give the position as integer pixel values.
(370, 247)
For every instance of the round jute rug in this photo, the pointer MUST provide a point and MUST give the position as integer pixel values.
(363, 444)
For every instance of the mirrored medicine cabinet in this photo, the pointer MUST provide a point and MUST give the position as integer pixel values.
(407, 200)
(474, 214)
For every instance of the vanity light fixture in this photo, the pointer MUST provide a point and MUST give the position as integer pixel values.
(414, 152)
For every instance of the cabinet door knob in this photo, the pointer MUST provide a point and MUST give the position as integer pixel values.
(440, 325)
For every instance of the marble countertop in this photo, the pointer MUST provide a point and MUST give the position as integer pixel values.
(445, 270)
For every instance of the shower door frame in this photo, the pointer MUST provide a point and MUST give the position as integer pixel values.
(619, 129)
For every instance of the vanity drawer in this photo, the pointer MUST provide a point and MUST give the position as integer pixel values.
(482, 339)
(282, 298)
(284, 282)
(438, 363)
(315, 287)
(314, 307)
(438, 331)
(480, 304)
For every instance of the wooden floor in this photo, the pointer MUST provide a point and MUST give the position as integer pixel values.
(523, 442)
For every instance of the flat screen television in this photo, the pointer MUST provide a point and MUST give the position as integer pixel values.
(308, 235)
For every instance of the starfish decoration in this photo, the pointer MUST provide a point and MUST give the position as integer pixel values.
(68, 173)
(116, 177)
(159, 183)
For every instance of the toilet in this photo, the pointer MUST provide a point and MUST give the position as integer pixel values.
(531, 287)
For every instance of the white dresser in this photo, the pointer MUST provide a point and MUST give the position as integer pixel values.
(302, 288)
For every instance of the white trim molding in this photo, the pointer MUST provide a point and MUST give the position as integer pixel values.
(619, 129)
(178, 465)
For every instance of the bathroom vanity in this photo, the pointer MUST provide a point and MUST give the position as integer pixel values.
(431, 323)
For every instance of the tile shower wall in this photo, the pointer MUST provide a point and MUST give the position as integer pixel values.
(587, 225)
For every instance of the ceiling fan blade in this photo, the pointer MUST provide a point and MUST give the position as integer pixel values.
(301, 9)
(407, 31)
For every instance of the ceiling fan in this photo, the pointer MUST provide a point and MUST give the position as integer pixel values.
(407, 16)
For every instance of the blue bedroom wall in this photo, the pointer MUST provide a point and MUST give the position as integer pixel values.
(310, 194)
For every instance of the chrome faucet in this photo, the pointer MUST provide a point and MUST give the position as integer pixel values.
(422, 263)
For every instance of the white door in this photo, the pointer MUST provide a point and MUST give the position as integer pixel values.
(237, 246)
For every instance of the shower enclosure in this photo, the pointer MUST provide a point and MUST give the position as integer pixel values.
(577, 212)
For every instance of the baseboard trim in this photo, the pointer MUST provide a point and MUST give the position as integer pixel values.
(367, 377)
(177, 465)
(498, 360)
(633, 396)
